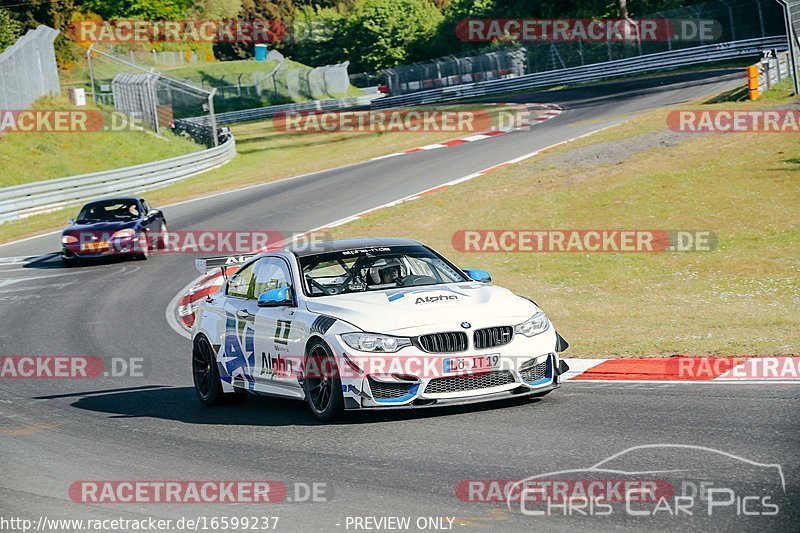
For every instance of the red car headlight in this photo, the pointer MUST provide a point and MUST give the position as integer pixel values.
(68, 239)
(123, 234)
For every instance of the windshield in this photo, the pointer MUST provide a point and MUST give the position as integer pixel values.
(109, 211)
(371, 269)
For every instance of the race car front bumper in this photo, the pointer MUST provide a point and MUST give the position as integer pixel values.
(535, 377)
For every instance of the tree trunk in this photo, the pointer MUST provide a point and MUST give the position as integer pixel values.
(623, 8)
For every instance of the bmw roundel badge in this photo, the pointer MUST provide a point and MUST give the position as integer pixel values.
(466, 325)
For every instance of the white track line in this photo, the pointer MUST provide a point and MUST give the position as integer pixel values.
(172, 308)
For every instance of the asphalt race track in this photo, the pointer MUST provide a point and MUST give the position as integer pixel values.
(55, 432)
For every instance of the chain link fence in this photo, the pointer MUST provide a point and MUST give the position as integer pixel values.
(28, 69)
(736, 19)
(280, 81)
(154, 99)
(792, 16)
(454, 70)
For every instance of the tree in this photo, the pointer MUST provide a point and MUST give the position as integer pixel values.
(10, 29)
(277, 12)
(623, 8)
(385, 33)
(315, 35)
(139, 9)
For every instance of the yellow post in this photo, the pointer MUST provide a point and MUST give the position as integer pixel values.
(752, 82)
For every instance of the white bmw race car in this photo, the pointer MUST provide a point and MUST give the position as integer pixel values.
(369, 323)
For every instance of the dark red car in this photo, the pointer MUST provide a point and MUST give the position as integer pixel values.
(113, 226)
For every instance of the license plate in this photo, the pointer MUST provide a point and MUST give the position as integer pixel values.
(477, 363)
(90, 246)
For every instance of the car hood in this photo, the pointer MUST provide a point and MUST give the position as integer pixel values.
(418, 310)
(100, 227)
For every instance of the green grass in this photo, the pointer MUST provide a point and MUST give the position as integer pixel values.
(27, 157)
(214, 74)
(740, 299)
(264, 155)
(216, 71)
(246, 73)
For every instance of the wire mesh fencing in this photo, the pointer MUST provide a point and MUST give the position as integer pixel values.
(277, 80)
(152, 98)
(28, 69)
(454, 70)
(733, 20)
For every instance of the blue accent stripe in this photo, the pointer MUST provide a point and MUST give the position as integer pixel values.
(548, 373)
(411, 393)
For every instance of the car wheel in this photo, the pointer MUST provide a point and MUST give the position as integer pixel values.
(142, 247)
(322, 385)
(207, 383)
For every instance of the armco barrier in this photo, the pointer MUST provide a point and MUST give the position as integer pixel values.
(25, 200)
(769, 71)
(41, 196)
(598, 71)
(258, 113)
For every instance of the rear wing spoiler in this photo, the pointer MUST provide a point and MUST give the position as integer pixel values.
(207, 264)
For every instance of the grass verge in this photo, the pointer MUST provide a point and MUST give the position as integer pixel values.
(27, 157)
(739, 299)
(264, 155)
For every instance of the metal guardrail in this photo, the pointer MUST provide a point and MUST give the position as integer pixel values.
(770, 71)
(28, 69)
(258, 113)
(42, 196)
(598, 71)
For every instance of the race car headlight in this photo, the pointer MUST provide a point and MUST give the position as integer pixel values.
(536, 324)
(371, 342)
(123, 234)
(69, 239)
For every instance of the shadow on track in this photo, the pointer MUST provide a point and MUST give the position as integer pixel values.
(52, 261)
(181, 404)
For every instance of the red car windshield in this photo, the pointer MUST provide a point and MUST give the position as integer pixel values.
(109, 211)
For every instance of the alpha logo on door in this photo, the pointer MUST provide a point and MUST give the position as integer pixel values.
(275, 365)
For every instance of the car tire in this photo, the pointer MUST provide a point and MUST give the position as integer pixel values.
(321, 384)
(207, 383)
(142, 247)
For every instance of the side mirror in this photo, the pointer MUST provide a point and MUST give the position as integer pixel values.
(476, 274)
(70, 221)
(276, 298)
